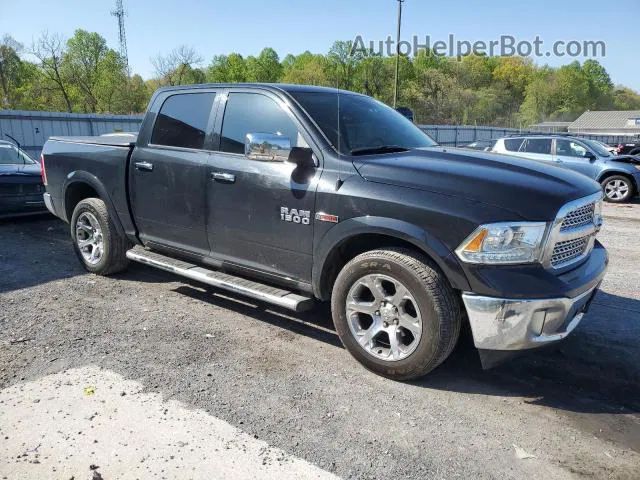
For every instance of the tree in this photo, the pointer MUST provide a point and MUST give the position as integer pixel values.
(625, 99)
(600, 86)
(343, 61)
(50, 50)
(306, 69)
(227, 69)
(10, 69)
(178, 67)
(265, 68)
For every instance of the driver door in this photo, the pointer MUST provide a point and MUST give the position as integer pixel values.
(571, 154)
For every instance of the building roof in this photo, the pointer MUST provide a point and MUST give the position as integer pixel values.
(619, 120)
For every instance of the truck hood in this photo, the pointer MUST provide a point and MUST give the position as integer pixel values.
(532, 190)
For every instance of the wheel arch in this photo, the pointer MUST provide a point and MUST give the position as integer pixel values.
(81, 185)
(358, 235)
(615, 173)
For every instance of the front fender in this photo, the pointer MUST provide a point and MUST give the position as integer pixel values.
(391, 227)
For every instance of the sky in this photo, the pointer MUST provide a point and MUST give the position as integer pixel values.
(247, 26)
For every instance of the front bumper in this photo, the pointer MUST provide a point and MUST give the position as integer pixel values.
(540, 308)
(520, 324)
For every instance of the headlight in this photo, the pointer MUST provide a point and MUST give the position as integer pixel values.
(504, 243)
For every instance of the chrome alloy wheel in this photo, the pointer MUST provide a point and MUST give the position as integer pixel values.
(616, 189)
(383, 317)
(89, 238)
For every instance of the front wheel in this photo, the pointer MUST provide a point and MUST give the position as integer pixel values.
(617, 189)
(98, 244)
(395, 313)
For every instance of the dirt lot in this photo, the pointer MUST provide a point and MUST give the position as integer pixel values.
(284, 380)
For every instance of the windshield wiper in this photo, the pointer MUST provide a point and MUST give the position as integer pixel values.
(378, 149)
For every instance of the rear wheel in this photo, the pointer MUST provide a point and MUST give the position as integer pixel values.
(395, 313)
(96, 241)
(617, 189)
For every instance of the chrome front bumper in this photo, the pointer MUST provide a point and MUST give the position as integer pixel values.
(513, 324)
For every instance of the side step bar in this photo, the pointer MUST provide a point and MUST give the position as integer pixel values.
(259, 291)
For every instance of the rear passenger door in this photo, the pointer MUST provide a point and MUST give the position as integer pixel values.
(537, 149)
(168, 174)
(260, 212)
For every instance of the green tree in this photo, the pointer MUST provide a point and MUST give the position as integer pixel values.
(50, 51)
(265, 68)
(306, 69)
(10, 70)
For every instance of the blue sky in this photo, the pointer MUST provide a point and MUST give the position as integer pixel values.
(293, 26)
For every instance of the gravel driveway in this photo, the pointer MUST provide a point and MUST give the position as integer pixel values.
(283, 379)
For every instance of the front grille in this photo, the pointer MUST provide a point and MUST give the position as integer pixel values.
(579, 217)
(568, 250)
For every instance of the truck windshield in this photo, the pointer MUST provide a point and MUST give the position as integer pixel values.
(360, 125)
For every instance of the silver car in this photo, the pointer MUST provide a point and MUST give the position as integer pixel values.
(619, 175)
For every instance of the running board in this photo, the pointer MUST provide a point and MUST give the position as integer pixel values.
(249, 288)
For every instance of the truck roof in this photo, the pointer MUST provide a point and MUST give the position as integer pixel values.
(286, 87)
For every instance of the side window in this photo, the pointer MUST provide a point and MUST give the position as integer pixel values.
(254, 113)
(183, 119)
(512, 144)
(567, 148)
(537, 145)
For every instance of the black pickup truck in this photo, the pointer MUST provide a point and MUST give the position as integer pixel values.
(295, 194)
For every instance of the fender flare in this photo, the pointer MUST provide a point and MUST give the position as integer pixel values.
(419, 237)
(81, 176)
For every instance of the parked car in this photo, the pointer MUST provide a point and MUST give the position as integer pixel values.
(484, 145)
(21, 185)
(619, 175)
(628, 148)
(296, 194)
(407, 113)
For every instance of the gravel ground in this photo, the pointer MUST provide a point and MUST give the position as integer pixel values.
(284, 379)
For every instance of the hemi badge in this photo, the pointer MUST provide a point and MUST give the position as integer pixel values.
(325, 217)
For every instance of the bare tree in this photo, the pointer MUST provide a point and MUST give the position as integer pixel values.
(173, 68)
(50, 50)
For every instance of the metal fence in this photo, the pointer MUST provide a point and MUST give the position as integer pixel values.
(460, 135)
(32, 129)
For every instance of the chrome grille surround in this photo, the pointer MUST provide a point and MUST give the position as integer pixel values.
(572, 234)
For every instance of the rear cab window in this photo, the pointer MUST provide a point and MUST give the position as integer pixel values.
(183, 120)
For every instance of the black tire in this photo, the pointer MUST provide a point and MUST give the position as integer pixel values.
(635, 151)
(436, 300)
(115, 244)
(606, 184)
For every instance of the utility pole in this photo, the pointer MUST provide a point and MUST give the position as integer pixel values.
(395, 91)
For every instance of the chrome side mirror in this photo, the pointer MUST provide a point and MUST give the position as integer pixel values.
(267, 147)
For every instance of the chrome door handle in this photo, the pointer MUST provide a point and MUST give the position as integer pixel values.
(223, 177)
(146, 166)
